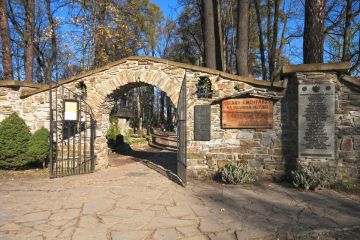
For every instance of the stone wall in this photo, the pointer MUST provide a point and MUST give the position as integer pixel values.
(347, 124)
(34, 109)
(273, 152)
(259, 148)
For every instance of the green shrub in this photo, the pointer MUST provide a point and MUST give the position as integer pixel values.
(312, 177)
(39, 147)
(14, 138)
(131, 140)
(235, 173)
(113, 130)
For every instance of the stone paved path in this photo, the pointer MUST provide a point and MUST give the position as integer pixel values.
(134, 202)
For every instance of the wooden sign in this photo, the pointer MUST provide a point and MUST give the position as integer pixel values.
(247, 113)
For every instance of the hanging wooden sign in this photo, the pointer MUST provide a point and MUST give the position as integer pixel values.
(247, 113)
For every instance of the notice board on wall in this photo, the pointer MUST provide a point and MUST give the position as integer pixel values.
(247, 113)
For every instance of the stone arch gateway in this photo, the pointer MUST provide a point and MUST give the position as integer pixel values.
(201, 158)
(264, 134)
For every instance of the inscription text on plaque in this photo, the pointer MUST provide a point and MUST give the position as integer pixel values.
(202, 123)
(247, 113)
(317, 121)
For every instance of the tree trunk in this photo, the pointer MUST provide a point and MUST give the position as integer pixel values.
(169, 114)
(6, 43)
(242, 37)
(83, 64)
(313, 46)
(210, 56)
(29, 39)
(100, 51)
(218, 35)
(269, 29)
(140, 110)
(53, 57)
(346, 56)
(272, 59)
(162, 108)
(202, 21)
(261, 39)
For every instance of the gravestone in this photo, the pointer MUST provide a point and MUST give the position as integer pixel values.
(316, 121)
(202, 123)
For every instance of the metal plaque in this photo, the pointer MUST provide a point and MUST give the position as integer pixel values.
(202, 123)
(317, 121)
(247, 113)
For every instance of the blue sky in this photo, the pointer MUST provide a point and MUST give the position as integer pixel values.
(168, 7)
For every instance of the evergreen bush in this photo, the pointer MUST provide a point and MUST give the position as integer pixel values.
(39, 147)
(14, 138)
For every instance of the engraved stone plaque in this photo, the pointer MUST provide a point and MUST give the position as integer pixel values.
(202, 123)
(247, 113)
(317, 121)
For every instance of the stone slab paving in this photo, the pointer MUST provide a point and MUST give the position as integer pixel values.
(134, 202)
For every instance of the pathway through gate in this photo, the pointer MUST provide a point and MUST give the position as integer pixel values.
(80, 121)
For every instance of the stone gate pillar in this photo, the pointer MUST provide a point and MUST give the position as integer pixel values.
(322, 124)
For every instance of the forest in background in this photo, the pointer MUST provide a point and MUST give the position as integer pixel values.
(49, 40)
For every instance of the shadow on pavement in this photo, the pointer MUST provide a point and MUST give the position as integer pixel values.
(282, 212)
(155, 156)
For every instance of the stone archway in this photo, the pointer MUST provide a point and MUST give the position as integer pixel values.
(203, 157)
(100, 87)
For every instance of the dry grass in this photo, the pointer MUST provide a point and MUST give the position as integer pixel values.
(24, 174)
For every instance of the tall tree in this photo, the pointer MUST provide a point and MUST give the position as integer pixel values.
(5, 41)
(101, 57)
(219, 48)
(152, 28)
(242, 37)
(346, 54)
(261, 39)
(313, 45)
(29, 39)
(162, 107)
(209, 33)
(273, 48)
(53, 51)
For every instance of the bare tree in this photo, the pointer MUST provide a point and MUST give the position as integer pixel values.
(219, 53)
(29, 39)
(5, 41)
(273, 48)
(313, 46)
(261, 39)
(100, 51)
(53, 55)
(346, 54)
(209, 34)
(242, 37)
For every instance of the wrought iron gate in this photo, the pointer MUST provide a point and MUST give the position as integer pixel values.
(72, 131)
(181, 126)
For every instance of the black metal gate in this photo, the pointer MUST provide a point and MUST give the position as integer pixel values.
(72, 131)
(181, 126)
